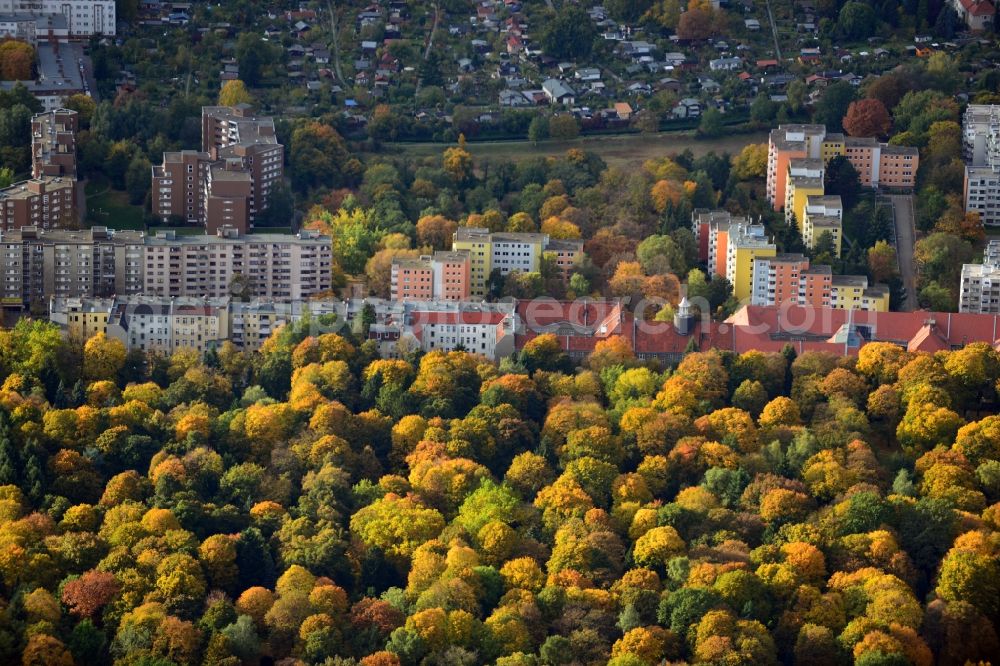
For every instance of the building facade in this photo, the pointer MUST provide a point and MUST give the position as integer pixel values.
(168, 326)
(276, 266)
(978, 15)
(84, 18)
(37, 264)
(442, 276)
(48, 200)
(879, 165)
(508, 252)
(178, 186)
(823, 214)
(981, 149)
(789, 279)
(46, 203)
(80, 318)
(852, 292)
(980, 286)
(230, 180)
(803, 180)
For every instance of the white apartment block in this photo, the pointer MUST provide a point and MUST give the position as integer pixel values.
(980, 132)
(981, 150)
(84, 18)
(276, 266)
(486, 330)
(980, 287)
(517, 252)
(166, 326)
(982, 193)
(823, 214)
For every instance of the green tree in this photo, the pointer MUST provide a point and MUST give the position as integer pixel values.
(569, 34)
(564, 127)
(710, 125)
(280, 211)
(137, 181)
(832, 107)
(842, 178)
(538, 130)
(857, 21)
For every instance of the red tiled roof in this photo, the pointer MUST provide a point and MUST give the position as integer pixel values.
(541, 312)
(928, 340)
(466, 317)
(979, 8)
(769, 328)
(764, 328)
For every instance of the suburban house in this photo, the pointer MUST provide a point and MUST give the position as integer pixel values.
(977, 14)
(558, 92)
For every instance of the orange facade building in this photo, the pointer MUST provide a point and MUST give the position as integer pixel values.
(878, 164)
(441, 276)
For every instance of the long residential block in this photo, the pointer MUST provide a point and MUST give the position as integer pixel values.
(36, 264)
(879, 165)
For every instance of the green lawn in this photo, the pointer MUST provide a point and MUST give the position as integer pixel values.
(624, 150)
(110, 208)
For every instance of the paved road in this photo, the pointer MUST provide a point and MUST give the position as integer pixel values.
(774, 31)
(902, 206)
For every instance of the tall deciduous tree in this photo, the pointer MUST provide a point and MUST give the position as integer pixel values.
(235, 92)
(867, 117)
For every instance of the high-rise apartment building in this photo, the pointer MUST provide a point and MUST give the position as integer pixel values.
(731, 246)
(823, 215)
(788, 278)
(803, 180)
(229, 181)
(981, 149)
(84, 18)
(877, 164)
(744, 245)
(980, 286)
(278, 266)
(786, 143)
(46, 203)
(53, 143)
(49, 199)
(36, 264)
(178, 186)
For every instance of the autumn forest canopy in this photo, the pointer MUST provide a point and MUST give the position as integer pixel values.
(315, 504)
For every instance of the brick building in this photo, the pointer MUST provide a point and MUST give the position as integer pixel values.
(53, 143)
(48, 200)
(442, 276)
(229, 181)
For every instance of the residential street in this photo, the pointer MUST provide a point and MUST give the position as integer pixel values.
(902, 206)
